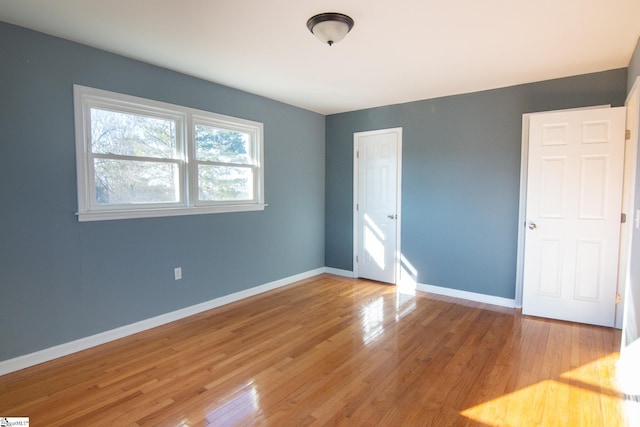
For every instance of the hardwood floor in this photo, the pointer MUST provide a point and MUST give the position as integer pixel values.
(334, 351)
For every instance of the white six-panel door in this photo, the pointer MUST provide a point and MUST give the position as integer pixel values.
(574, 193)
(376, 200)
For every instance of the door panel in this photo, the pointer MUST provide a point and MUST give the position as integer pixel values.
(574, 192)
(593, 187)
(552, 194)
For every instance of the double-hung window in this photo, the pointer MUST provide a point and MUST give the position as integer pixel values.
(141, 158)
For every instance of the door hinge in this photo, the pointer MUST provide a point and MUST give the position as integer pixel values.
(357, 206)
(357, 154)
(357, 260)
(618, 299)
(623, 218)
(627, 134)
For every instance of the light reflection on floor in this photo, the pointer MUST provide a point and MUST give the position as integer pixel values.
(405, 304)
(242, 403)
(373, 313)
(372, 320)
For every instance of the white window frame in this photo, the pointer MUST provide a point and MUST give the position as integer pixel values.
(185, 118)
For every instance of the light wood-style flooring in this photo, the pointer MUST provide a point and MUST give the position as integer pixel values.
(333, 351)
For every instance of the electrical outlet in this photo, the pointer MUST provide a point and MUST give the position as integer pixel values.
(177, 273)
(638, 219)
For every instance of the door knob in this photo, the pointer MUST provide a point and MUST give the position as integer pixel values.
(532, 226)
(392, 216)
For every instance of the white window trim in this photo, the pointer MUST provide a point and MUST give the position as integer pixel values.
(85, 98)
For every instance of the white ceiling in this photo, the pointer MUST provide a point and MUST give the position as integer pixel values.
(398, 51)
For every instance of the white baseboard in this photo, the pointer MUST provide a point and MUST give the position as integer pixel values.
(471, 296)
(338, 272)
(47, 354)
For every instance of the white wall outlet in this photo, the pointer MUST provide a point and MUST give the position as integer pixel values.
(177, 273)
(637, 219)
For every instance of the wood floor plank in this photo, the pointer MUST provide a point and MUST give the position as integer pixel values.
(334, 351)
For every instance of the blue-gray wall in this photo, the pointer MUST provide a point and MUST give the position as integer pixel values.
(632, 312)
(460, 180)
(61, 280)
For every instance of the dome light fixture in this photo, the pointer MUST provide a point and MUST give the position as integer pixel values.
(330, 27)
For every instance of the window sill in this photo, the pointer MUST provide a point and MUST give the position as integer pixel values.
(155, 213)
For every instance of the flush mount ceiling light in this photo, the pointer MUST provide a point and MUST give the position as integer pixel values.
(331, 27)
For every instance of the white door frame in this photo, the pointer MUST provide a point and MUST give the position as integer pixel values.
(628, 204)
(522, 211)
(397, 252)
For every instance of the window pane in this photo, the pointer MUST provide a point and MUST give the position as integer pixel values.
(132, 135)
(221, 145)
(125, 181)
(221, 183)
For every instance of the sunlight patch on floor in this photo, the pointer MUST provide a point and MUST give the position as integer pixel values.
(576, 397)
